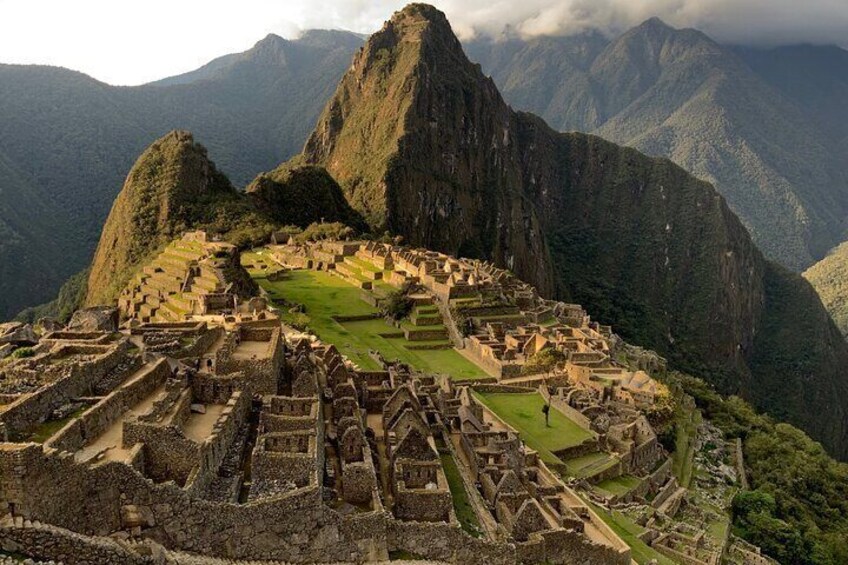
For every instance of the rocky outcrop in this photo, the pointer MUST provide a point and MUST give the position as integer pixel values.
(422, 144)
(95, 319)
(16, 333)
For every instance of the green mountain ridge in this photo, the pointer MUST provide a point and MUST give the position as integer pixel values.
(73, 140)
(174, 187)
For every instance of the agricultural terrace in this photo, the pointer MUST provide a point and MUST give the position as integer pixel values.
(523, 411)
(326, 297)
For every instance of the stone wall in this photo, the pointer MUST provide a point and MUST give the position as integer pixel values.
(43, 541)
(295, 526)
(214, 449)
(202, 344)
(31, 410)
(96, 420)
(288, 456)
(261, 373)
(168, 454)
(569, 412)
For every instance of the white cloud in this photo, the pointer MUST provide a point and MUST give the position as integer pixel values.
(133, 42)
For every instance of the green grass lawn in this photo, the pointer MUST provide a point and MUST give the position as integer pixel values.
(324, 296)
(461, 505)
(46, 430)
(629, 532)
(619, 485)
(590, 464)
(524, 413)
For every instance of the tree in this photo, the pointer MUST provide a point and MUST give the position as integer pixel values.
(544, 361)
(397, 305)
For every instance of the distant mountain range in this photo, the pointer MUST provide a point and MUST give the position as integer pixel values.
(763, 125)
(68, 141)
(767, 128)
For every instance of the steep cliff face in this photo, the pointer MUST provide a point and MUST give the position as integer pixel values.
(760, 137)
(423, 144)
(172, 187)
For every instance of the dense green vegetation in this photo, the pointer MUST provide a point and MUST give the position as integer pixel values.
(303, 194)
(172, 187)
(798, 508)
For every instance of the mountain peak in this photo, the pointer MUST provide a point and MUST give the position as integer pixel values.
(655, 24)
(271, 39)
(420, 12)
(171, 185)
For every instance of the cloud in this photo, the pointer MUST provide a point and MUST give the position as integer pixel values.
(753, 22)
(130, 43)
(760, 22)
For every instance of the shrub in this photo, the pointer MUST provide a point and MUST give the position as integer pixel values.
(397, 305)
(544, 361)
(22, 352)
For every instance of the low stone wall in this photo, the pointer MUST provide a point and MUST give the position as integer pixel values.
(425, 335)
(97, 419)
(31, 410)
(168, 454)
(443, 542)
(216, 389)
(586, 447)
(43, 541)
(360, 318)
(497, 388)
(202, 344)
(484, 358)
(214, 449)
(653, 483)
(665, 492)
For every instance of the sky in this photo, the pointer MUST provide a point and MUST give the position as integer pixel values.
(128, 43)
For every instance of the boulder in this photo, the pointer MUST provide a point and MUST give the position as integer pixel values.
(95, 319)
(17, 333)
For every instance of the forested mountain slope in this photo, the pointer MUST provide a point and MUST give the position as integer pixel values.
(735, 121)
(67, 141)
